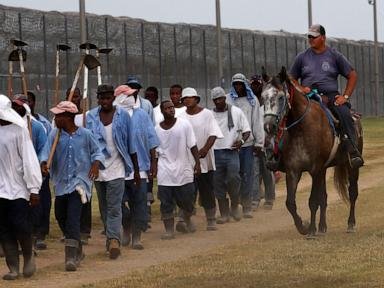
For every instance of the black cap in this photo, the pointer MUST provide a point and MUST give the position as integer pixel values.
(105, 88)
(133, 82)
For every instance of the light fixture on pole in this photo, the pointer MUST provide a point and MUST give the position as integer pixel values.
(376, 55)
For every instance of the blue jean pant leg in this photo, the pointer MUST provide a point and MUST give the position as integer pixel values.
(256, 178)
(86, 218)
(102, 200)
(246, 174)
(68, 213)
(167, 202)
(112, 193)
(136, 197)
(205, 187)
(220, 176)
(41, 213)
(268, 180)
(185, 197)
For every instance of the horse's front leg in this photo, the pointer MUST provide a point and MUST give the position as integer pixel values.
(323, 207)
(292, 179)
(353, 190)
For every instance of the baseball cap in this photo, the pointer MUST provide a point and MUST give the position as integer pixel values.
(238, 77)
(217, 92)
(189, 92)
(316, 30)
(64, 106)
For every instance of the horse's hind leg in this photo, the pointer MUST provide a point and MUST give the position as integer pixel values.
(353, 193)
(323, 210)
(317, 193)
(292, 179)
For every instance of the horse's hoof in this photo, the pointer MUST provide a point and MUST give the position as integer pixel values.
(321, 233)
(351, 229)
(311, 236)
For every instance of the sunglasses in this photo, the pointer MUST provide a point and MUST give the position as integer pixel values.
(313, 37)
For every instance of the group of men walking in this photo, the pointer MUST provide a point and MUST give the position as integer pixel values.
(197, 155)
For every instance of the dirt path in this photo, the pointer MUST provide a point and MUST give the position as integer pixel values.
(97, 266)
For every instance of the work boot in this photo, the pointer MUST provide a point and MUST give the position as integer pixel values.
(136, 240)
(224, 211)
(210, 214)
(236, 212)
(190, 225)
(113, 248)
(1, 251)
(169, 229)
(71, 248)
(268, 205)
(11, 253)
(247, 212)
(80, 254)
(29, 267)
(181, 226)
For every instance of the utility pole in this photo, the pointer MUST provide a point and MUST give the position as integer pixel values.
(376, 54)
(219, 45)
(309, 13)
(83, 31)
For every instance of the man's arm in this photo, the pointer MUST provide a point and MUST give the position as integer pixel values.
(195, 153)
(204, 151)
(349, 88)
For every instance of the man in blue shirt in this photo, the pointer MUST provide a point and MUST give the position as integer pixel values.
(319, 67)
(40, 213)
(75, 165)
(134, 205)
(111, 126)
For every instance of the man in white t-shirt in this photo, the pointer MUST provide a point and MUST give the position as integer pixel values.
(235, 128)
(206, 131)
(176, 169)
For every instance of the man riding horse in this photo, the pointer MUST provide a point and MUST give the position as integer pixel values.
(318, 67)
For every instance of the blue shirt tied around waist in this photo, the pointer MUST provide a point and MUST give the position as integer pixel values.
(121, 133)
(72, 160)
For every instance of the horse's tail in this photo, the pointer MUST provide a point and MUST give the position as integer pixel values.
(341, 181)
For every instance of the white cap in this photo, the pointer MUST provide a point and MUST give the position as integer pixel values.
(8, 114)
(189, 92)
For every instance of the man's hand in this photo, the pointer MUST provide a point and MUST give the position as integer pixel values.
(44, 169)
(197, 169)
(340, 100)
(136, 178)
(257, 151)
(305, 89)
(237, 145)
(34, 200)
(202, 153)
(153, 170)
(94, 171)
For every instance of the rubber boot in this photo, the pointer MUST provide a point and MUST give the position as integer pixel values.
(224, 211)
(181, 226)
(247, 211)
(210, 214)
(136, 239)
(71, 248)
(354, 157)
(169, 225)
(236, 212)
(29, 267)
(113, 248)
(11, 253)
(190, 225)
(80, 254)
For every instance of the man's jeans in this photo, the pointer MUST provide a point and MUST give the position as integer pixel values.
(134, 205)
(41, 213)
(227, 175)
(67, 213)
(261, 172)
(246, 174)
(110, 194)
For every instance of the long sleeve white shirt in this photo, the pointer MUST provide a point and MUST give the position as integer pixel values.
(20, 173)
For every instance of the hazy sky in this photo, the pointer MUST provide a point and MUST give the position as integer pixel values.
(351, 19)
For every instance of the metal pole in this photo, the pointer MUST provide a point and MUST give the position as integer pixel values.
(309, 13)
(376, 58)
(219, 45)
(83, 33)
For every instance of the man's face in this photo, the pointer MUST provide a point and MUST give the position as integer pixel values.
(316, 42)
(239, 88)
(62, 119)
(31, 103)
(76, 98)
(168, 110)
(151, 96)
(220, 103)
(175, 95)
(257, 88)
(105, 100)
(190, 102)
(19, 109)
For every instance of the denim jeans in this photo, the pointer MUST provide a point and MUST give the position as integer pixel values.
(110, 194)
(261, 172)
(183, 196)
(41, 213)
(246, 174)
(204, 183)
(68, 212)
(134, 205)
(227, 175)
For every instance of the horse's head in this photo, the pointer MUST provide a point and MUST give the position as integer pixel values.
(275, 97)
